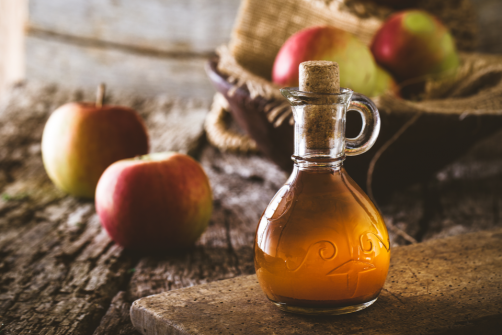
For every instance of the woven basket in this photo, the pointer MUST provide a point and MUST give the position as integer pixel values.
(417, 138)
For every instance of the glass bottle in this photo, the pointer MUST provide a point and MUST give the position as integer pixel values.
(321, 245)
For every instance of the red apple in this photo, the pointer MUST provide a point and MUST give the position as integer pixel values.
(81, 140)
(357, 66)
(154, 202)
(414, 44)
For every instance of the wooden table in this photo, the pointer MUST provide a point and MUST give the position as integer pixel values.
(432, 287)
(61, 274)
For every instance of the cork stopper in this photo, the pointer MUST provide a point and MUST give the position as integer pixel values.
(317, 124)
(319, 76)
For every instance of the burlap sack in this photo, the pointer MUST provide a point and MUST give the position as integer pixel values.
(417, 137)
(262, 27)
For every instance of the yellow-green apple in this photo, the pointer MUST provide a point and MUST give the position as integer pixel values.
(357, 66)
(384, 83)
(413, 44)
(80, 140)
(156, 202)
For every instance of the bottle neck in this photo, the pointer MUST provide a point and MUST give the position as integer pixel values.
(319, 136)
(318, 163)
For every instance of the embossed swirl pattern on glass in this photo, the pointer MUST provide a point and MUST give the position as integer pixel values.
(321, 242)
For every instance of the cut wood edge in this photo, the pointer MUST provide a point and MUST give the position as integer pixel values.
(148, 323)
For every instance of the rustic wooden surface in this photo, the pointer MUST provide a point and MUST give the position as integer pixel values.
(450, 285)
(147, 47)
(61, 274)
(174, 26)
(86, 64)
(60, 271)
(12, 17)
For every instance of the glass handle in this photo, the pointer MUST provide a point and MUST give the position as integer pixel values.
(371, 125)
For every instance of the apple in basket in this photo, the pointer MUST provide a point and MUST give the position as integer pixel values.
(155, 202)
(384, 83)
(80, 140)
(358, 70)
(415, 45)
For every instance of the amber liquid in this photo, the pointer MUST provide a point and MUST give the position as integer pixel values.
(321, 243)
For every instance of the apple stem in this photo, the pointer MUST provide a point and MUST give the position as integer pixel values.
(100, 95)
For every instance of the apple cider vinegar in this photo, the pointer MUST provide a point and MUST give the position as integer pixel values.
(321, 245)
(321, 242)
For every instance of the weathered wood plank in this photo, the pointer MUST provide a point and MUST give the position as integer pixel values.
(57, 244)
(174, 26)
(463, 197)
(443, 286)
(117, 321)
(59, 269)
(147, 47)
(469, 187)
(12, 18)
(85, 66)
(242, 187)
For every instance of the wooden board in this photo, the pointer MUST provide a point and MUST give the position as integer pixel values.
(445, 286)
(12, 18)
(53, 60)
(59, 270)
(154, 42)
(61, 274)
(174, 26)
(145, 47)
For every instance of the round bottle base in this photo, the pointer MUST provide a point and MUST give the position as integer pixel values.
(323, 310)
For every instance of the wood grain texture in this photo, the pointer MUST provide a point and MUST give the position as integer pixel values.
(85, 66)
(59, 269)
(60, 273)
(175, 26)
(146, 47)
(12, 19)
(448, 286)
(463, 197)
